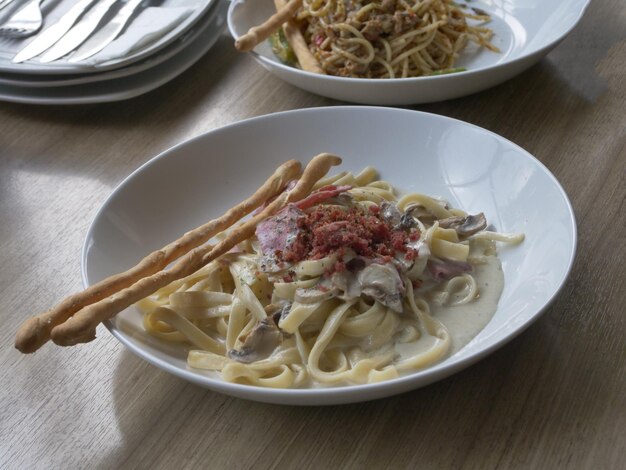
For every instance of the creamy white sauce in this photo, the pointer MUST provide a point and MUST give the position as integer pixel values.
(465, 321)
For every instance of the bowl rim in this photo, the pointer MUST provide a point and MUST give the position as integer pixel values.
(395, 81)
(343, 393)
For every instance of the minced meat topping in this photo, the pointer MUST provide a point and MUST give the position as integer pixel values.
(327, 230)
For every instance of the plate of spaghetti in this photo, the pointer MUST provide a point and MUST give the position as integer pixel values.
(268, 267)
(399, 52)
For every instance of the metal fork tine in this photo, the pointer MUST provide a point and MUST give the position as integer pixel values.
(27, 20)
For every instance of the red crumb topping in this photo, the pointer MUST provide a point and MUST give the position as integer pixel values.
(398, 240)
(327, 230)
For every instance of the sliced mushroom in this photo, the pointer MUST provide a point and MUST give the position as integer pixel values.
(407, 221)
(278, 311)
(282, 313)
(356, 264)
(346, 282)
(390, 214)
(259, 344)
(465, 226)
(382, 282)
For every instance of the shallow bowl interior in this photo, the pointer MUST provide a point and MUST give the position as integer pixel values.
(472, 168)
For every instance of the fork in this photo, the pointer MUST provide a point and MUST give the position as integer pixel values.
(5, 3)
(24, 22)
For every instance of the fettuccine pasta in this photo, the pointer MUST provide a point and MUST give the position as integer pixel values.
(350, 285)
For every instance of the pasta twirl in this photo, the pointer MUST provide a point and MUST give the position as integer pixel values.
(349, 285)
(390, 38)
(374, 38)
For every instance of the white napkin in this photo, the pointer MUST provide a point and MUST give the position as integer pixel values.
(149, 26)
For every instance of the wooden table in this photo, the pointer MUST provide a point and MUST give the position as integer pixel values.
(555, 397)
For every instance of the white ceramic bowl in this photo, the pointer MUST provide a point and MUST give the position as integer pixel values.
(472, 168)
(525, 31)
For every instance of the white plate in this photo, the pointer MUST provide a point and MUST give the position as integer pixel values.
(472, 168)
(525, 31)
(57, 80)
(53, 10)
(126, 87)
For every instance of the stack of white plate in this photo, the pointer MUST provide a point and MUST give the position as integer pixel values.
(104, 77)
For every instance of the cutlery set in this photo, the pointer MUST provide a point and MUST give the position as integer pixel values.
(96, 51)
(75, 28)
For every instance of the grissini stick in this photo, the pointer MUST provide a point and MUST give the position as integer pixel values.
(35, 331)
(81, 328)
(293, 35)
(258, 34)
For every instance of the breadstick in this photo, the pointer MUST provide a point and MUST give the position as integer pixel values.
(81, 328)
(260, 33)
(35, 331)
(300, 48)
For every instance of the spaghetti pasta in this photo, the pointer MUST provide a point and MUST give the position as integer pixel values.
(381, 38)
(347, 286)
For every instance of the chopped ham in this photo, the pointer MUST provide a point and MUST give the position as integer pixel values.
(443, 270)
(321, 195)
(311, 230)
(277, 233)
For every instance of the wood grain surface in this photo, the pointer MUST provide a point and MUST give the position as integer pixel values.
(555, 397)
